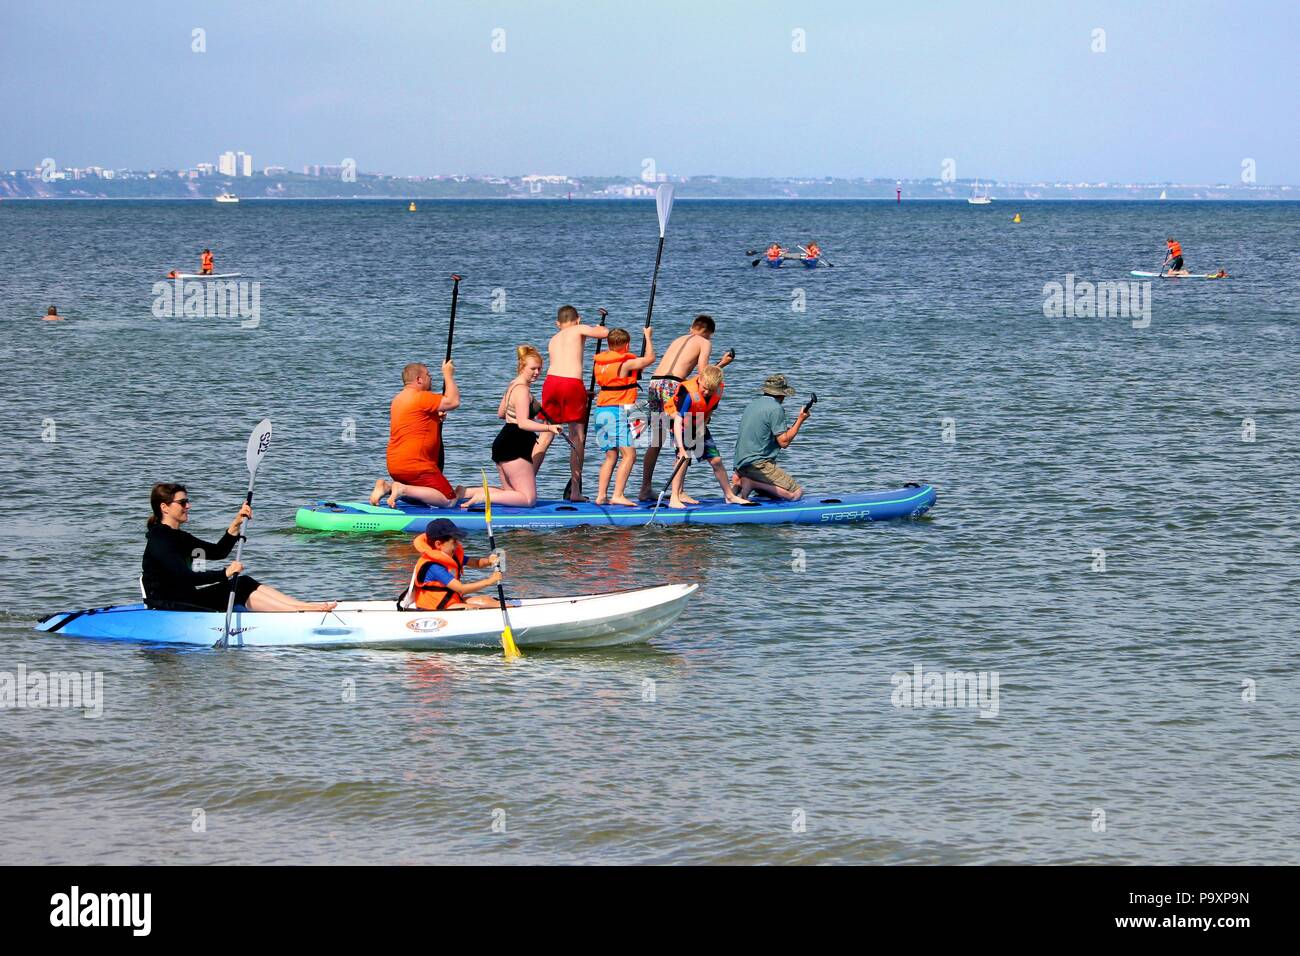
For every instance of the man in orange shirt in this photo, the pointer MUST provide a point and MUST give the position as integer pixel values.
(415, 438)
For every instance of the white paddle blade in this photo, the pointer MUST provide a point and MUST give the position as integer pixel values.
(664, 205)
(258, 443)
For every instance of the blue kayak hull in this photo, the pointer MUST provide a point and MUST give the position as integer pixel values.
(907, 502)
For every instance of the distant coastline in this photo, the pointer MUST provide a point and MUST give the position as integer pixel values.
(174, 185)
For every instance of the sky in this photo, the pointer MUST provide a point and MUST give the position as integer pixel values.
(1015, 91)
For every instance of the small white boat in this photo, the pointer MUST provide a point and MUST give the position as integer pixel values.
(977, 198)
(227, 197)
(1162, 194)
(591, 620)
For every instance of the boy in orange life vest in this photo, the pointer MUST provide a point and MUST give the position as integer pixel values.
(696, 399)
(564, 394)
(205, 267)
(617, 371)
(686, 353)
(435, 582)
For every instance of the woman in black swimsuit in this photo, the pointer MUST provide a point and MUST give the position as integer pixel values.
(512, 450)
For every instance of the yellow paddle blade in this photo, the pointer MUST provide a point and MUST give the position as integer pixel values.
(487, 498)
(508, 645)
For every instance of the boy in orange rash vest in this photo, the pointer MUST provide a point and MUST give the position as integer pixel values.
(564, 393)
(414, 439)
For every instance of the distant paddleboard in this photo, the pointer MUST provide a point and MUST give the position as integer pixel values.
(196, 275)
(1163, 275)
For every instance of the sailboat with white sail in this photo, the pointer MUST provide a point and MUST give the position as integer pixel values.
(977, 198)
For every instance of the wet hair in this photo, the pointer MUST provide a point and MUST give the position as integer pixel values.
(523, 353)
(52, 310)
(1169, 239)
(162, 494)
(703, 323)
(618, 338)
(411, 372)
(567, 315)
(711, 377)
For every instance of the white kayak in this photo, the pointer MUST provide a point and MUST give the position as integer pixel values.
(591, 620)
(1176, 275)
(199, 275)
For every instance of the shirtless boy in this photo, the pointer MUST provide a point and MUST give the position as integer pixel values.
(564, 393)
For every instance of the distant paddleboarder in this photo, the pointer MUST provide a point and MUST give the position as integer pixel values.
(205, 263)
(1173, 257)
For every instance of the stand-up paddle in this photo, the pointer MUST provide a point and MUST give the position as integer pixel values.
(258, 443)
(451, 331)
(681, 463)
(507, 636)
(664, 207)
(591, 397)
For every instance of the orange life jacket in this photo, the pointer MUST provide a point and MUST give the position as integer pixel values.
(814, 251)
(774, 251)
(430, 595)
(1175, 249)
(207, 261)
(615, 389)
(700, 405)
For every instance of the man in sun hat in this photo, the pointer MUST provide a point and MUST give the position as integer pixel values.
(760, 438)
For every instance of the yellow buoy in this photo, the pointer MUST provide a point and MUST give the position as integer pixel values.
(411, 208)
(1017, 219)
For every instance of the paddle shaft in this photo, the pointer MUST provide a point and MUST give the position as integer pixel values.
(451, 331)
(681, 463)
(501, 587)
(234, 578)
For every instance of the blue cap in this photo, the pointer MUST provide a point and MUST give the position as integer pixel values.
(440, 529)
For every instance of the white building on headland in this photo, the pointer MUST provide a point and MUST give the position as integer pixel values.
(235, 164)
(226, 163)
(244, 163)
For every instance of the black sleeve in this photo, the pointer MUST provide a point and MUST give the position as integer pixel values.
(171, 560)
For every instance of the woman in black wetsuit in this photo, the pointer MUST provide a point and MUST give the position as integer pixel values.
(512, 450)
(170, 581)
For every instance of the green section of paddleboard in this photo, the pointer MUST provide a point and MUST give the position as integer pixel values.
(371, 518)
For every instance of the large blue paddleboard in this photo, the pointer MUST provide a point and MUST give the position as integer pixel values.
(907, 502)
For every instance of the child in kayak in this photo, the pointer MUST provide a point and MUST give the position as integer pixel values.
(775, 253)
(175, 576)
(436, 583)
(617, 371)
(693, 406)
(687, 353)
(513, 450)
(415, 440)
(564, 396)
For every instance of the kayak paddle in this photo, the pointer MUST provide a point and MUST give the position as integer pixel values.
(591, 394)
(810, 403)
(507, 636)
(829, 264)
(451, 330)
(681, 463)
(258, 443)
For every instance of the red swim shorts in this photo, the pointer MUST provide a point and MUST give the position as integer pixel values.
(564, 400)
(428, 477)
